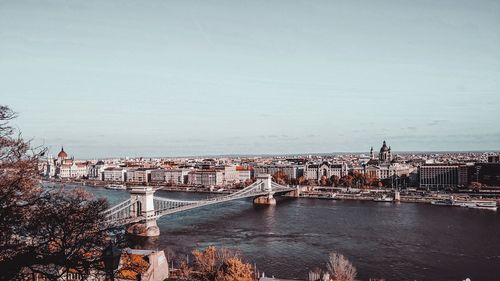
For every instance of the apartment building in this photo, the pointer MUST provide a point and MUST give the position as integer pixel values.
(115, 174)
(438, 176)
(206, 177)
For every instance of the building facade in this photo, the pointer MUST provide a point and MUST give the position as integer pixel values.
(176, 176)
(292, 171)
(115, 174)
(140, 175)
(314, 171)
(439, 176)
(206, 177)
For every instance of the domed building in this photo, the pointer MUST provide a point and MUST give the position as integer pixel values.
(62, 154)
(65, 167)
(383, 167)
(385, 153)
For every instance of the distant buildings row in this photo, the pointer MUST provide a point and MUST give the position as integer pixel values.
(425, 174)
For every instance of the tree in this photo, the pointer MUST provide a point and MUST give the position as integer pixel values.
(340, 268)
(302, 180)
(346, 181)
(214, 264)
(475, 186)
(235, 269)
(323, 181)
(281, 178)
(334, 180)
(42, 232)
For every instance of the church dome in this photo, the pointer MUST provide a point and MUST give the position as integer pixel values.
(62, 154)
(384, 148)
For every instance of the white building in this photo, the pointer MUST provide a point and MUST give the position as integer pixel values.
(206, 177)
(114, 174)
(95, 171)
(176, 176)
(231, 175)
(73, 170)
(315, 171)
(292, 171)
(384, 167)
(138, 175)
(244, 173)
(65, 167)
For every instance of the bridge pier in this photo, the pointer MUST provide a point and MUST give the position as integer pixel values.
(143, 195)
(266, 186)
(265, 200)
(147, 229)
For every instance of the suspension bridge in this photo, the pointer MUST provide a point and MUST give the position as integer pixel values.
(141, 211)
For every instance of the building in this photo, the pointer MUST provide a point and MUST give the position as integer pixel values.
(244, 173)
(385, 166)
(292, 171)
(485, 173)
(116, 174)
(138, 175)
(176, 176)
(493, 158)
(439, 176)
(206, 177)
(385, 155)
(314, 171)
(73, 170)
(95, 170)
(231, 175)
(158, 175)
(65, 167)
(385, 171)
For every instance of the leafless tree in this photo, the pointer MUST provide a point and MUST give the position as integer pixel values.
(340, 268)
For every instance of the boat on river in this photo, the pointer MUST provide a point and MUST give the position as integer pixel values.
(116, 187)
(478, 204)
(443, 202)
(383, 198)
(467, 203)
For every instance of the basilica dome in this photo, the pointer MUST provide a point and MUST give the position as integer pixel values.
(384, 147)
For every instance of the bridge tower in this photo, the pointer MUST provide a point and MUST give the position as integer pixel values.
(268, 199)
(144, 207)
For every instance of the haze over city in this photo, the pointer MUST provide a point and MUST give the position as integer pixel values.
(173, 78)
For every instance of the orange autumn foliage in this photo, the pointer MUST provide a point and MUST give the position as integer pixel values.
(132, 266)
(214, 264)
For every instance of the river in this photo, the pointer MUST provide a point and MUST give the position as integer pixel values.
(385, 240)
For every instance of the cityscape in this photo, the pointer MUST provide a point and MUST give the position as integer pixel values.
(327, 140)
(473, 171)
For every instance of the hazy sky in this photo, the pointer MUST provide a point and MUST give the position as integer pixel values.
(158, 77)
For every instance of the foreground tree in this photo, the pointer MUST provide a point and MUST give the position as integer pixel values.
(42, 232)
(214, 264)
(340, 268)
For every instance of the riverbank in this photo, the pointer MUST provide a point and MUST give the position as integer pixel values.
(425, 197)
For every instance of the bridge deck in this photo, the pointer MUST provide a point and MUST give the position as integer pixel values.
(123, 213)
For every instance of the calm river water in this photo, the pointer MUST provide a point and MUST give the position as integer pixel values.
(391, 241)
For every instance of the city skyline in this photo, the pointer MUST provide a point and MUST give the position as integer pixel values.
(173, 78)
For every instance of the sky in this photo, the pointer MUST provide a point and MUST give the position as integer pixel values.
(174, 78)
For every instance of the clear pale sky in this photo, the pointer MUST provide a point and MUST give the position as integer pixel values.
(168, 78)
